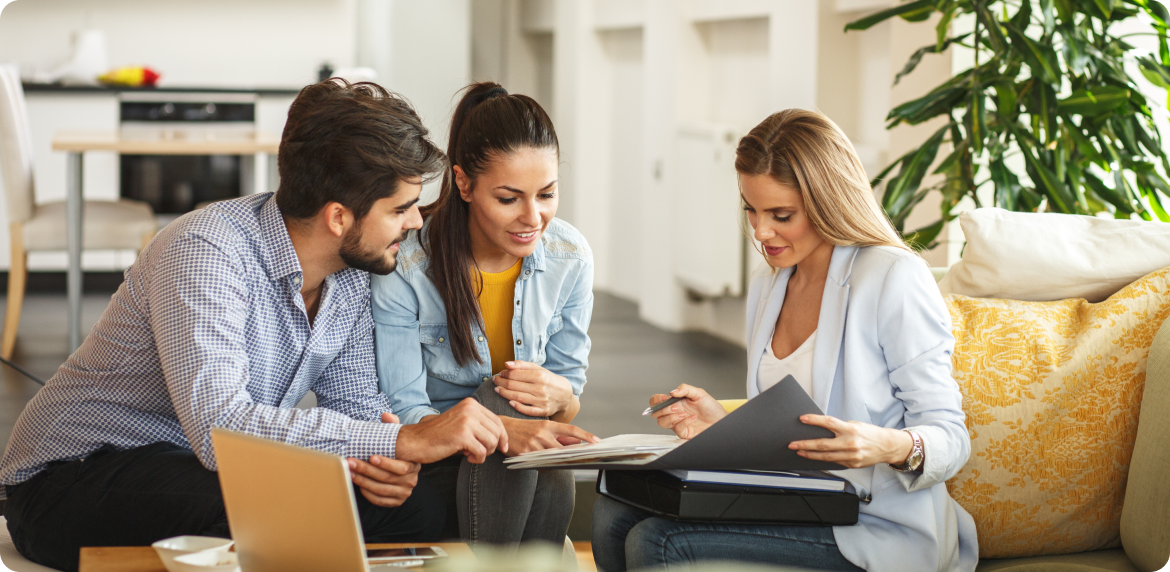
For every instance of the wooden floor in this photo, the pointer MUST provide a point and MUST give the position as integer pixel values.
(585, 556)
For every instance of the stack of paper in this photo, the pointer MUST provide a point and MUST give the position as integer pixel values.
(623, 449)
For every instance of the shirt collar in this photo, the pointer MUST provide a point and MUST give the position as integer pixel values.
(535, 261)
(280, 258)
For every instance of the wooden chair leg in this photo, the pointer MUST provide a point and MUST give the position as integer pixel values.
(17, 277)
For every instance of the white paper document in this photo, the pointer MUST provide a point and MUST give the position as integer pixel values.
(623, 449)
(753, 437)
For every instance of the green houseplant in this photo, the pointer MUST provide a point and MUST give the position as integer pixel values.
(1049, 86)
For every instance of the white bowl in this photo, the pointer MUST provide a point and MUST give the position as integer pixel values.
(208, 561)
(170, 548)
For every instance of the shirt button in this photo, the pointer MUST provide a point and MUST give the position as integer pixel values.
(481, 338)
(440, 340)
(517, 302)
(518, 342)
(528, 273)
(485, 378)
(297, 280)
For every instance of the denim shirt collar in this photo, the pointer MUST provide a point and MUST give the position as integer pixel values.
(534, 261)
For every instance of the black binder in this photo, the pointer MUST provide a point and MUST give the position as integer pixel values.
(666, 495)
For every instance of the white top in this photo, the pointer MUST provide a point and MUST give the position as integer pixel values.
(798, 365)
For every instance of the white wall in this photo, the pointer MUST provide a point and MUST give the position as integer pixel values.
(420, 49)
(629, 73)
(190, 42)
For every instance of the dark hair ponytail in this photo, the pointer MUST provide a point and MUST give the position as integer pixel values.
(488, 123)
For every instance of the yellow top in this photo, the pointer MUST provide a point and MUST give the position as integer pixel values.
(496, 306)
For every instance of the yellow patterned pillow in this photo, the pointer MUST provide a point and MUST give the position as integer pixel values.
(1052, 392)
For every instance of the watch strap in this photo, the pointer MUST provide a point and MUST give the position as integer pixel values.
(914, 460)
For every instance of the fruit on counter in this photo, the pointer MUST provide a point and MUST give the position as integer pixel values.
(132, 76)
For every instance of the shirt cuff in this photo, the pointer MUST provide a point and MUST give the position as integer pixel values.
(367, 438)
(415, 414)
(931, 471)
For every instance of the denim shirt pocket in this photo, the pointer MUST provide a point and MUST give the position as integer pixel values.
(437, 356)
(554, 325)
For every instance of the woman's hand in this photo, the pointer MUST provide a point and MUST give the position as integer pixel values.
(856, 444)
(533, 390)
(526, 435)
(692, 415)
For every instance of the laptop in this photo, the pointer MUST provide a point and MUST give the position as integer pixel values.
(289, 508)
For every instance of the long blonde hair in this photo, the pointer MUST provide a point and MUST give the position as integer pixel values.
(806, 151)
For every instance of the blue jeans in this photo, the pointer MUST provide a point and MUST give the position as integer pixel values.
(625, 537)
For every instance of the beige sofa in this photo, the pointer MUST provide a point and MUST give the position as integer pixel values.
(1145, 519)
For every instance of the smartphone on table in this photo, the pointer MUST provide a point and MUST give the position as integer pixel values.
(391, 555)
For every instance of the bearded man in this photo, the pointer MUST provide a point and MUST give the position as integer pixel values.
(227, 319)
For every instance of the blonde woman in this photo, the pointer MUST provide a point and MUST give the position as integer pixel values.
(848, 310)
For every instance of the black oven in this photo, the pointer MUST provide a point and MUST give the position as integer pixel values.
(176, 184)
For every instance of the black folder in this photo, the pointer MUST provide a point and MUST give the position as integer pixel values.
(753, 437)
(665, 495)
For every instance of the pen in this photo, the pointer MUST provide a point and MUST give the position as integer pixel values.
(663, 405)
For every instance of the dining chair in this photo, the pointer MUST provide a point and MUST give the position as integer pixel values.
(108, 225)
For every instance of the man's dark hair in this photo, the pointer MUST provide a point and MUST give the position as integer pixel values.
(351, 144)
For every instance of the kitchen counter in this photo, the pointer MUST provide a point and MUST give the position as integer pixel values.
(56, 88)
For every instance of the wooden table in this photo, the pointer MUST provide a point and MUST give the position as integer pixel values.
(76, 143)
(144, 559)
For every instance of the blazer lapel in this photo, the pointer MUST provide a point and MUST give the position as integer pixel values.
(831, 325)
(765, 325)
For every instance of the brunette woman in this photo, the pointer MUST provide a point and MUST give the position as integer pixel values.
(491, 301)
(847, 309)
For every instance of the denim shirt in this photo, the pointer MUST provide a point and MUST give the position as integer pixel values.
(554, 302)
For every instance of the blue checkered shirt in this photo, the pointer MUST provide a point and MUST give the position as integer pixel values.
(209, 330)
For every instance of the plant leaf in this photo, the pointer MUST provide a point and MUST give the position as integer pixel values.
(1042, 59)
(902, 190)
(916, 58)
(943, 28)
(1096, 101)
(1053, 187)
(1007, 185)
(1158, 12)
(1049, 17)
(924, 238)
(994, 33)
(1158, 74)
(1084, 145)
(899, 10)
(1106, 7)
(931, 105)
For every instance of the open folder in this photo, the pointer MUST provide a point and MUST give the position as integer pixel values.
(753, 437)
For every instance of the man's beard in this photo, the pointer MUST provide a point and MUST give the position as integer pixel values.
(373, 260)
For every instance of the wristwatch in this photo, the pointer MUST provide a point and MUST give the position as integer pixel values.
(914, 461)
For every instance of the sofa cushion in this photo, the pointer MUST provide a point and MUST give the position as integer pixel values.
(1052, 392)
(1098, 561)
(1145, 530)
(1082, 256)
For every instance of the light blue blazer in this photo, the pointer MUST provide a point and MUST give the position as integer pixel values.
(883, 356)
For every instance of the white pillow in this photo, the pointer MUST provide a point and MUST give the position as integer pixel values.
(1045, 256)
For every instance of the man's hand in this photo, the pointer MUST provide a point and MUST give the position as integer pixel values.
(526, 435)
(384, 482)
(468, 428)
(690, 416)
(533, 390)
